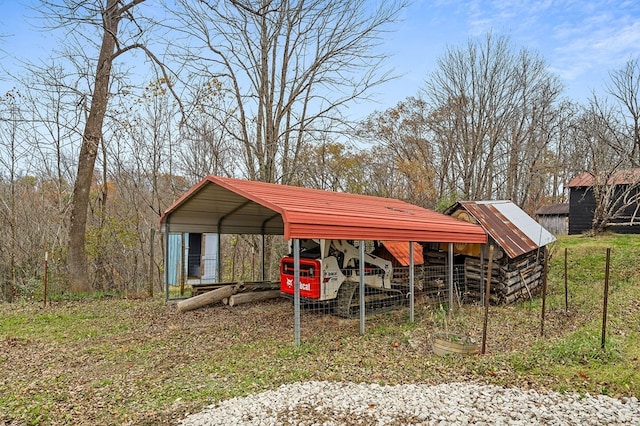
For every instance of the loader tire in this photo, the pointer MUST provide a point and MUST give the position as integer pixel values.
(346, 306)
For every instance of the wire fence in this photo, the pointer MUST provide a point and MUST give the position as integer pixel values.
(574, 295)
(573, 298)
(432, 288)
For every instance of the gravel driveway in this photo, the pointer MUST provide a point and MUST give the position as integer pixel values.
(328, 403)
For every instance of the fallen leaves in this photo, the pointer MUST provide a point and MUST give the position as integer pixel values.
(145, 363)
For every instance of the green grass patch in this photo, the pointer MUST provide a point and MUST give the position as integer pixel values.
(580, 348)
(55, 325)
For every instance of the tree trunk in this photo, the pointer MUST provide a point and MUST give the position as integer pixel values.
(92, 135)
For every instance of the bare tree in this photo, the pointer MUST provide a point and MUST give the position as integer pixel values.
(28, 199)
(146, 144)
(55, 119)
(119, 32)
(611, 129)
(291, 68)
(332, 166)
(624, 87)
(617, 194)
(11, 156)
(206, 147)
(565, 156)
(493, 116)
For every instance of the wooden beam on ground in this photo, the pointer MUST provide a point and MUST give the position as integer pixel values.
(251, 296)
(209, 297)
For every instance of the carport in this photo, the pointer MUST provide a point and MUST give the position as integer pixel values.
(232, 206)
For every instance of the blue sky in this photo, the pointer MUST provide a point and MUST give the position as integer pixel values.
(581, 40)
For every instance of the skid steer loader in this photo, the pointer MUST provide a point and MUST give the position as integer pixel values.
(330, 274)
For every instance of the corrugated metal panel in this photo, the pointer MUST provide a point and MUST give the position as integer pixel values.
(400, 250)
(514, 230)
(583, 179)
(226, 205)
(618, 177)
(174, 259)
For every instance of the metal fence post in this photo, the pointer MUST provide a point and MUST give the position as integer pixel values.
(605, 301)
(450, 278)
(362, 313)
(411, 283)
(296, 291)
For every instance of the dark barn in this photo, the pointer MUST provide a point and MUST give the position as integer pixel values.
(582, 202)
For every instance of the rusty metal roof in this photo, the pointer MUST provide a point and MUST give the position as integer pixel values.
(400, 251)
(583, 179)
(618, 177)
(233, 206)
(514, 230)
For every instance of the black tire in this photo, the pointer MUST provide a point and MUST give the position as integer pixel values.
(345, 300)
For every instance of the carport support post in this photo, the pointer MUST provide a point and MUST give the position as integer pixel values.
(296, 291)
(450, 278)
(411, 283)
(262, 275)
(361, 253)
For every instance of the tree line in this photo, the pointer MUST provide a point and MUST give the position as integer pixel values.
(91, 153)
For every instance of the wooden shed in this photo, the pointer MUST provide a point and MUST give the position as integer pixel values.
(519, 251)
(554, 218)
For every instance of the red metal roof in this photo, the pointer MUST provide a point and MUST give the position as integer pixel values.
(226, 205)
(619, 177)
(400, 251)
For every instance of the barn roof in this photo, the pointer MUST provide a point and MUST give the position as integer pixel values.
(618, 177)
(233, 206)
(514, 230)
(558, 209)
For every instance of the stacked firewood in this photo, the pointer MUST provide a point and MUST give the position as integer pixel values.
(511, 279)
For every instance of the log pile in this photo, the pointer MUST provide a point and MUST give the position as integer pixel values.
(436, 258)
(209, 297)
(230, 294)
(517, 279)
(436, 275)
(197, 289)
